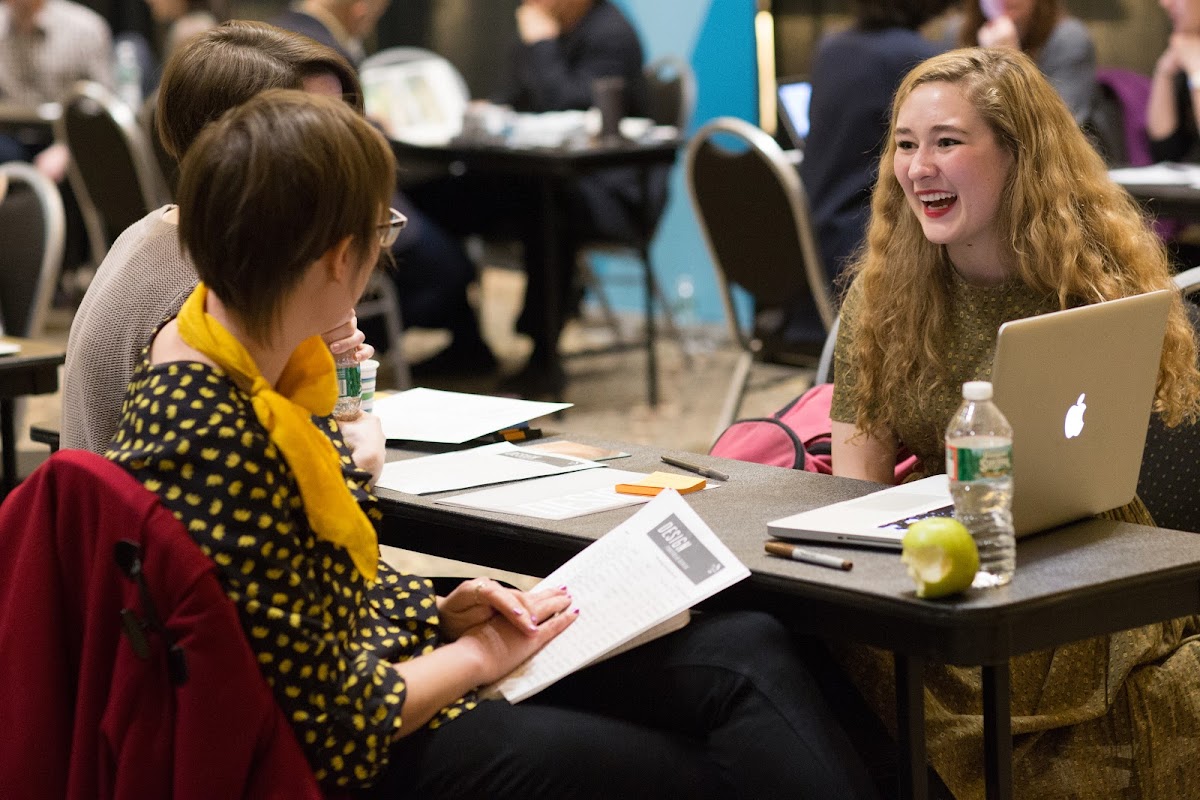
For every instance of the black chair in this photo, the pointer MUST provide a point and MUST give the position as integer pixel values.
(754, 215)
(1169, 482)
(113, 169)
(32, 229)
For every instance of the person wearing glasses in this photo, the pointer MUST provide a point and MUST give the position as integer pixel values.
(145, 276)
(228, 421)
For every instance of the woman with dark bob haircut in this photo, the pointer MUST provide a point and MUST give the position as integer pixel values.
(283, 209)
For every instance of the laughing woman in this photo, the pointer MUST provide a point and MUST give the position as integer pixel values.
(990, 206)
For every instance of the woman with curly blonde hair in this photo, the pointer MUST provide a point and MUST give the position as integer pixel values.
(990, 205)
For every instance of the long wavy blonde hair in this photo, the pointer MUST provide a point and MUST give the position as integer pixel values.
(1074, 234)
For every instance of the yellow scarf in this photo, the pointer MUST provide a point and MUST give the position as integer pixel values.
(307, 386)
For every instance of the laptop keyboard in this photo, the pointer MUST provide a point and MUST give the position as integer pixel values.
(902, 524)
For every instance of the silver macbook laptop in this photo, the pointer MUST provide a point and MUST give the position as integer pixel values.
(794, 96)
(1077, 387)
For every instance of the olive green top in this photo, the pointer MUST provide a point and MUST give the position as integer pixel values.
(969, 343)
(1109, 717)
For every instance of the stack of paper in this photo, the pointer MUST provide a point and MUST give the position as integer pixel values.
(479, 466)
(574, 494)
(640, 577)
(431, 415)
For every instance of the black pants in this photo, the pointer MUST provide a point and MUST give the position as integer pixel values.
(604, 206)
(723, 708)
(431, 275)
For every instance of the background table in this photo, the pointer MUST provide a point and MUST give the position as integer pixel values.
(34, 370)
(1082, 580)
(1168, 202)
(553, 167)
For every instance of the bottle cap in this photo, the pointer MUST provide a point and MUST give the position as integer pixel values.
(977, 390)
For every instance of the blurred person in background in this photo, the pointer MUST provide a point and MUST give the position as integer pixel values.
(1058, 43)
(45, 47)
(1171, 120)
(433, 270)
(563, 46)
(854, 75)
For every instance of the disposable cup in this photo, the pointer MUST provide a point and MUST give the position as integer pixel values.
(368, 369)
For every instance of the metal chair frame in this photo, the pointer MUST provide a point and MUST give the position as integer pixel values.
(771, 155)
(54, 231)
(92, 98)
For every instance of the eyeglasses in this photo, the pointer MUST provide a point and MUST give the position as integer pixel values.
(388, 231)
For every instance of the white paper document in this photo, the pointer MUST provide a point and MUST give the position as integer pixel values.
(1162, 174)
(432, 415)
(556, 497)
(646, 571)
(479, 466)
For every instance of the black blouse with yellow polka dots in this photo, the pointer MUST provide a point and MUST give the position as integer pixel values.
(324, 637)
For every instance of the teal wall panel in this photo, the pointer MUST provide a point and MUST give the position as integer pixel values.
(717, 36)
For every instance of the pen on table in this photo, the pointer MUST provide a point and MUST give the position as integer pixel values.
(716, 475)
(784, 550)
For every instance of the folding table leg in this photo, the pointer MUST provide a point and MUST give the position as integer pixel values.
(651, 334)
(997, 731)
(910, 726)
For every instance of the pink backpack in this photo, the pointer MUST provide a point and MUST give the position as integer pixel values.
(797, 436)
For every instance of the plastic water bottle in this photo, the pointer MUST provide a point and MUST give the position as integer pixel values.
(979, 464)
(349, 379)
(128, 74)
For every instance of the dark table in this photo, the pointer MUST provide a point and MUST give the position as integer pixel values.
(1083, 580)
(34, 370)
(553, 167)
(1167, 201)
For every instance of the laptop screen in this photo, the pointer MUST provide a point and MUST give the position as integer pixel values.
(794, 97)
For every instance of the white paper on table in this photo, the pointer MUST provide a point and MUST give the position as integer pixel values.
(479, 466)
(557, 496)
(1162, 174)
(662, 560)
(432, 415)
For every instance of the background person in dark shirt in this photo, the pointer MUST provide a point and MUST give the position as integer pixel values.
(563, 46)
(433, 271)
(854, 75)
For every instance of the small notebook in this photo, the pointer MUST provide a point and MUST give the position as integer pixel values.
(655, 482)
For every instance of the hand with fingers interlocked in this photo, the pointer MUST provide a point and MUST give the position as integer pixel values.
(476, 601)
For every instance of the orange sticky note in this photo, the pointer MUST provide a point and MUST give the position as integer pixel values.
(655, 482)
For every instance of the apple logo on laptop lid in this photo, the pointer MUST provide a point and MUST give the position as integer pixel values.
(1073, 422)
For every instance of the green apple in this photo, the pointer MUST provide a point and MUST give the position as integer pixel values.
(940, 555)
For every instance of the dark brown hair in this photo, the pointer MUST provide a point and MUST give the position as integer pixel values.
(270, 187)
(1046, 14)
(872, 15)
(223, 67)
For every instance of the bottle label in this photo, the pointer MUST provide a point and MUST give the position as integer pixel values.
(978, 463)
(349, 380)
